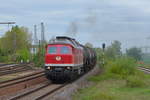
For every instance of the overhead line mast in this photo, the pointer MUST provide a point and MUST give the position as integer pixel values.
(42, 33)
(8, 23)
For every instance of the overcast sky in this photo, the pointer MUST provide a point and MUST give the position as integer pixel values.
(97, 21)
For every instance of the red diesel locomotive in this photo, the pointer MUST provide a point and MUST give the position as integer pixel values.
(65, 58)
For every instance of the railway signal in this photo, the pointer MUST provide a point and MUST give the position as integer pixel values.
(103, 60)
(103, 46)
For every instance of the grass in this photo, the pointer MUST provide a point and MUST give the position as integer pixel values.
(146, 60)
(144, 65)
(147, 66)
(113, 89)
(120, 81)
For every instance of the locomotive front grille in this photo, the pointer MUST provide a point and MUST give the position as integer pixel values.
(58, 69)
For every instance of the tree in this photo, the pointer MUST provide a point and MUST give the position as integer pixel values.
(16, 40)
(117, 47)
(89, 45)
(99, 54)
(134, 52)
(114, 50)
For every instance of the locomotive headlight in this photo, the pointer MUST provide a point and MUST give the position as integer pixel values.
(68, 67)
(49, 67)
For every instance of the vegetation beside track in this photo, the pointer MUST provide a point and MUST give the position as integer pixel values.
(146, 60)
(16, 46)
(120, 79)
(117, 83)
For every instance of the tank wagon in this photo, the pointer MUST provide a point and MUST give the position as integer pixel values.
(65, 58)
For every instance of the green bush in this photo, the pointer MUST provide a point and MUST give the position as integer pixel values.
(23, 54)
(3, 59)
(122, 66)
(38, 60)
(135, 81)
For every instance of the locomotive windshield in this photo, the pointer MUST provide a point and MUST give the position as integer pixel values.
(59, 50)
(64, 50)
(52, 50)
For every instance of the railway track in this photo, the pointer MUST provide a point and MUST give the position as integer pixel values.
(13, 69)
(39, 93)
(23, 88)
(146, 70)
(43, 91)
(17, 84)
(7, 66)
(3, 64)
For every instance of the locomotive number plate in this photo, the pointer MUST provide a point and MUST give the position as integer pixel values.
(58, 69)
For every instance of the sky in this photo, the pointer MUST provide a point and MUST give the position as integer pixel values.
(96, 21)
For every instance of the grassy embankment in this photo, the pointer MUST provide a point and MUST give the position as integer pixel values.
(120, 81)
(146, 60)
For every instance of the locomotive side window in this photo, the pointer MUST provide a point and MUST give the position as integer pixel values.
(64, 50)
(52, 50)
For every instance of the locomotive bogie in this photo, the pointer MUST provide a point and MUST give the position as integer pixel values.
(63, 72)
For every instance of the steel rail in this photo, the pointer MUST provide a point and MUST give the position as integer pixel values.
(50, 92)
(15, 69)
(22, 80)
(11, 80)
(146, 70)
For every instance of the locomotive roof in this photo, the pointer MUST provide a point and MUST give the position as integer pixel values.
(65, 40)
(64, 37)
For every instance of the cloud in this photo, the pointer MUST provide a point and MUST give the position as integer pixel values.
(101, 20)
(139, 5)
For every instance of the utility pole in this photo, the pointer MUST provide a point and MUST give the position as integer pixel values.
(35, 39)
(14, 45)
(42, 33)
(35, 35)
(42, 38)
(15, 42)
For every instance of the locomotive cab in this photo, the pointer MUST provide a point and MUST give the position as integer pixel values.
(62, 61)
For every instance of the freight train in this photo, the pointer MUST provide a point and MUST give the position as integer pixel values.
(65, 58)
